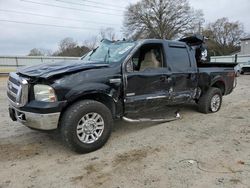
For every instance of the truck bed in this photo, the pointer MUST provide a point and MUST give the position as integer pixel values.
(222, 71)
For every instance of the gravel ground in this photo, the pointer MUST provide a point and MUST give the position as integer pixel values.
(207, 151)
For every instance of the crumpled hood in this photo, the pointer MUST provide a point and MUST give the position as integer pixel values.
(48, 70)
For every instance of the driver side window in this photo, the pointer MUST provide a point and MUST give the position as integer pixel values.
(148, 57)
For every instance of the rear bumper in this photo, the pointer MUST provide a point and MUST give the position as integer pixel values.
(47, 121)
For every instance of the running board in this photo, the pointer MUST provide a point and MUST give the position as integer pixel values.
(151, 120)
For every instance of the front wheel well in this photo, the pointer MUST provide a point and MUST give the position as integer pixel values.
(220, 85)
(102, 98)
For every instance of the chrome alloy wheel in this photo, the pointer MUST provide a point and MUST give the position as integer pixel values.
(215, 103)
(90, 128)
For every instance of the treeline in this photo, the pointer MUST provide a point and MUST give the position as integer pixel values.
(69, 47)
(163, 19)
(172, 19)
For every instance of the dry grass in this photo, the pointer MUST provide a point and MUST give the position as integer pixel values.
(7, 70)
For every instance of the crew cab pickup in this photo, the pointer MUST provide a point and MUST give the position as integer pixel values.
(121, 79)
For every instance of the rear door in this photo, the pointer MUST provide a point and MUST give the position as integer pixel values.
(183, 71)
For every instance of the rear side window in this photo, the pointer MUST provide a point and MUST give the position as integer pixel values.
(178, 59)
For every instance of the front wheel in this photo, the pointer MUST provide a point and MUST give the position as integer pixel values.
(211, 101)
(86, 126)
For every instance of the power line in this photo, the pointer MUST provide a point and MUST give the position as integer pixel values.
(54, 17)
(94, 6)
(49, 25)
(71, 8)
(105, 4)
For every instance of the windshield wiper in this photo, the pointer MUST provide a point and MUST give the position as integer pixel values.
(93, 51)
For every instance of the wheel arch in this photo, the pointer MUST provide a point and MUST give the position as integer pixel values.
(220, 84)
(103, 98)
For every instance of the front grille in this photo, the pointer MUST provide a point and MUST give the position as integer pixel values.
(17, 90)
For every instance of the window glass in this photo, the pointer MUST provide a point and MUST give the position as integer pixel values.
(151, 59)
(109, 52)
(178, 59)
(147, 58)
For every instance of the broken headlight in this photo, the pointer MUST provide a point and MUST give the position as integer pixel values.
(44, 93)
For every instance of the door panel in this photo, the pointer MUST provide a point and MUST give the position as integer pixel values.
(144, 90)
(184, 85)
(184, 73)
(167, 86)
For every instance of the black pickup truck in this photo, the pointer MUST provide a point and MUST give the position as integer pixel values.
(121, 79)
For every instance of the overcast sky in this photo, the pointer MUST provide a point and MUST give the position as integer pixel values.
(86, 17)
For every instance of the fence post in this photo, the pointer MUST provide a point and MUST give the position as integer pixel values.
(16, 62)
(236, 58)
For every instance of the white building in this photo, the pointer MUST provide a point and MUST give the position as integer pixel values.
(245, 45)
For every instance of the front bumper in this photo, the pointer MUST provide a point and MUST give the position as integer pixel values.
(245, 69)
(39, 121)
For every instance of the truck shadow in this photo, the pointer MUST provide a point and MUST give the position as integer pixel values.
(121, 126)
(33, 143)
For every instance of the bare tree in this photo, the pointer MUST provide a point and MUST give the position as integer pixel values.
(160, 19)
(66, 44)
(91, 43)
(69, 47)
(198, 23)
(224, 36)
(40, 52)
(225, 33)
(108, 33)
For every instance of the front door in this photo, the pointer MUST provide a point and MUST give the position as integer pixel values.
(146, 89)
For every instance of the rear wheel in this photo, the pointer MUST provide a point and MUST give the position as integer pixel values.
(86, 126)
(211, 101)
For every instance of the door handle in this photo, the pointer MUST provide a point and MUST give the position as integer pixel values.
(166, 78)
(163, 78)
(169, 78)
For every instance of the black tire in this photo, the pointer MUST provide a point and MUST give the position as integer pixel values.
(242, 72)
(71, 118)
(204, 104)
